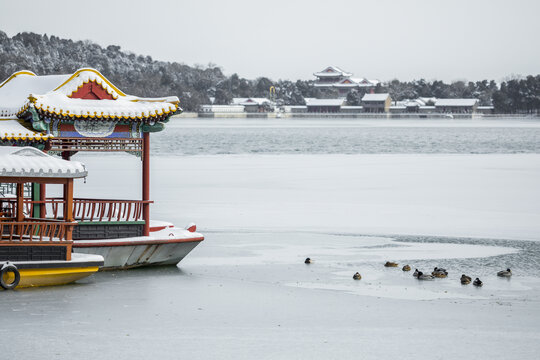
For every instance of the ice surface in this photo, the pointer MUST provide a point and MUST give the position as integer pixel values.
(246, 293)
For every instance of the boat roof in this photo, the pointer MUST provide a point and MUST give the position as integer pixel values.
(57, 96)
(30, 162)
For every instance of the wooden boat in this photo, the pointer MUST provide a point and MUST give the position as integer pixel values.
(38, 251)
(85, 112)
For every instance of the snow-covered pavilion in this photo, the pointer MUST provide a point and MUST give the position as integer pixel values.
(82, 111)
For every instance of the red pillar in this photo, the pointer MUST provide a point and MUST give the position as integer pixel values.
(20, 202)
(42, 207)
(146, 182)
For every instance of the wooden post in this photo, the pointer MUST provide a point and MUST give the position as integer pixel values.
(146, 182)
(20, 210)
(20, 202)
(68, 212)
(42, 206)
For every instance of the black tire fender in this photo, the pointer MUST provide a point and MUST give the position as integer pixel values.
(5, 270)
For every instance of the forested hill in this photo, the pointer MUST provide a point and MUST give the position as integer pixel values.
(143, 76)
(135, 74)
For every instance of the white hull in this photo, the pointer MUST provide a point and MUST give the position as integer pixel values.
(164, 247)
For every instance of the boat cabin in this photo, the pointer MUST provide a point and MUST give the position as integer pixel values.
(27, 236)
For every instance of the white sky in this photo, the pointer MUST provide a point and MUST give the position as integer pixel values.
(288, 39)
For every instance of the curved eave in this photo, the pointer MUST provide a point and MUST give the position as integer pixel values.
(22, 134)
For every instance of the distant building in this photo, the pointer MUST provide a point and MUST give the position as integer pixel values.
(334, 78)
(351, 109)
(329, 76)
(324, 105)
(456, 106)
(254, 105)
(485, 109)
(229, 109)
(376, 103)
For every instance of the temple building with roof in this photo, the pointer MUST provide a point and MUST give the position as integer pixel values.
(376, 103)
(334, 78)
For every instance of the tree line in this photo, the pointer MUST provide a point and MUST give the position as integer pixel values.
(195, 85)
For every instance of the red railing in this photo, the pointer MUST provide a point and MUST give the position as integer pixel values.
(83, 209)
(35, 231)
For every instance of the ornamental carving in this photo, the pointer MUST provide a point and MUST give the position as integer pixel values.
(98, 129)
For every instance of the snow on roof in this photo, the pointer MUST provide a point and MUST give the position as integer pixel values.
(13, 130)
(325, 102)
(53, 92)
(15, 90)
(251, 101)
(31, 162)
(332, 71)
(414, 103)
(238, 101)
(356, 82)
(376, 97)
(62, 105)
(456, 102)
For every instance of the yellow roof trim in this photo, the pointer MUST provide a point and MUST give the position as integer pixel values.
(14, 75)
(61, 112)
(95, 72)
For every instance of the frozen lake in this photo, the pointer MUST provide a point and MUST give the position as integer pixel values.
(463, 195)
(355, 136)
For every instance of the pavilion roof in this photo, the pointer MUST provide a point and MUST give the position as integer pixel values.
(356, 82)
(332, 71)
(52, 96)
(33, 163)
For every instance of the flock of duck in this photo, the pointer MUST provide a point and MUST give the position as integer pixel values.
(436, 273)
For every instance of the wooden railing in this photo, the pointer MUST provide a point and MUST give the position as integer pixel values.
(83, 209)
(35, 231)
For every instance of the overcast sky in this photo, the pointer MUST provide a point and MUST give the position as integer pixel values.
(288, 39)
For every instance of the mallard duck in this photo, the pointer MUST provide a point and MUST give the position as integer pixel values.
(307, 261)
(439, 274)
(416, 272)
(422, 276)
(357, 276)
(390, 264)
(465, 280)
(505, 273)
(477, 282)
(438, 269)
(406, 268)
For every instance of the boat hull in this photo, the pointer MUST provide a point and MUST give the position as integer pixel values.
(167, 246)
(49, 273)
